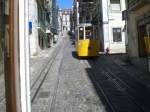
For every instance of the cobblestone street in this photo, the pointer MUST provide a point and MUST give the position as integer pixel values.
(74, 55)
(62, 82)
(108, 83)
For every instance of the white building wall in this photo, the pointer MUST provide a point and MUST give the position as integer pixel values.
(116, 47)
(33, 17)
(60, 21)
(113, 19)
(66, 21)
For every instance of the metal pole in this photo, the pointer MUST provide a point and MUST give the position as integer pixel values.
(77, 13)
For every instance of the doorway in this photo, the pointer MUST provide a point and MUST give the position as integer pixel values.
(148, 30)
(141, 44)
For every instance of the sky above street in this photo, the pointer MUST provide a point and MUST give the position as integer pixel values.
(63, 4)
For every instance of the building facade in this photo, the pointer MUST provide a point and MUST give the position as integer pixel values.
(41, 24)
(110, 28)
(82, 11)
(66, 19)
(60, 21)
(33, 18)
(106, 17)
(55, 10)
(138, 26)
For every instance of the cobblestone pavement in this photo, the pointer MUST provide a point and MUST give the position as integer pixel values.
(107, 83)
(2, 94)
(67, 87)
(37, 64)
(2, 89)
(122, 86)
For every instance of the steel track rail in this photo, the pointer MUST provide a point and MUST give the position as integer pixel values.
(48, 66)
(55, 91)
(111, 75)
(130, 74)
(41, 73)
(56, 87)
(39, 77)
(111, 106)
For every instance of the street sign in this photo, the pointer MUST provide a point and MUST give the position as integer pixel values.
(30, 27)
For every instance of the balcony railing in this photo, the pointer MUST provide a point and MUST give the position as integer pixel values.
(134, 4)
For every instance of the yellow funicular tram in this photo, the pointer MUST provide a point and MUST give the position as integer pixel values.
(87, 44)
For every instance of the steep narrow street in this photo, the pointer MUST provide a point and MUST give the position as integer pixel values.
(107, 83)
(74, 55)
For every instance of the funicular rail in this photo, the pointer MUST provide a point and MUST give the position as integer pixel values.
(113, 89)
(35, 87)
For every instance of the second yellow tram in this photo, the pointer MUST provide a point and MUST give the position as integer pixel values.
(87, 45)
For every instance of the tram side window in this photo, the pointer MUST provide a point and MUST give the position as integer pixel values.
(88, 33)
(81, 33)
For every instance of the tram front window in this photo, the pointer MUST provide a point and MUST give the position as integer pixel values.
(88, 33)
(81, 33)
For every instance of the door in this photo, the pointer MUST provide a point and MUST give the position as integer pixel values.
(141, 42)
(148, 30)
(147, 40)
(148, 46)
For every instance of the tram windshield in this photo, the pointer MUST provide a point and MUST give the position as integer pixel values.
(89, 33)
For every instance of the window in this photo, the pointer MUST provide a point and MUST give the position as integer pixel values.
(89, 33)
(81, 34)
(117, 37)
(115, 5)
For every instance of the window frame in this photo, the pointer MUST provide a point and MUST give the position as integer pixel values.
(115, 3)
(79, 38)
(118, 42)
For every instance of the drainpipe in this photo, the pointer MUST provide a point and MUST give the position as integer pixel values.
(24, 56)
